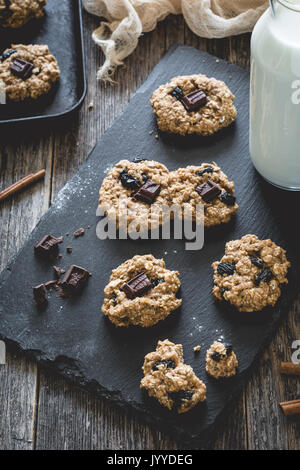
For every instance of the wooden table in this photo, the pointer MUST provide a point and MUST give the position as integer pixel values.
(42, 411)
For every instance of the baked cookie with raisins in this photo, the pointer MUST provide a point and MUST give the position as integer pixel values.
(221, 361)
(16, 13)
(193, 104)
(168, 379)
(134, 194)
(141, 292)
(27, 71)
(206, 185)
(251, 273)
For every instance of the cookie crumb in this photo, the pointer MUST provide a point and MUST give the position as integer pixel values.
(197, 348)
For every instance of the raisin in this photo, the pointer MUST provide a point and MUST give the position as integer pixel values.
(257, 262)
(228, 199)
(266, 275)
(208, 169)
(129, 181)
(139, 160)
(7, 54)
(177, 93)
(155, 282)
(144, 177)
(177, 397)
(216, 356)
(226, 268)
(169, 364)
(228, 348)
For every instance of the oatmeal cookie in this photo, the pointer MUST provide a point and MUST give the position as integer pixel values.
(173, 383)
(193, 104)
(221, 361)
(207, 185)
(251, 273)
(141, 292)
(138, 188)
(16, 13)
(27, 71)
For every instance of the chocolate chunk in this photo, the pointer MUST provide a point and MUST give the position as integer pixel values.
(136, 286)
(194, 100)
(48, 246)
(6, 55)
(216, 356)
(40, 294)
(228, 348)
(79, 232)
(266, 275)
(228, 199)
(129, 181)
(207, 169)
(256, 262)
(177, 93)
(148, 192)
(208, 191)
(75, 278)
(50, 284)
(21, 68)
(226, 268)
(58, 271)
(69, 249)
(179, 396)
(169, 364)
(155, 282)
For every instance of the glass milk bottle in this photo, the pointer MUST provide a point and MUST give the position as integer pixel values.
(275, 94)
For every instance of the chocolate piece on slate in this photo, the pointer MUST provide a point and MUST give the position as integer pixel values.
(148, 192)
(75, 278)
(48, 246)
(58, 271)
(50, 284)
(136, 286)
(79, 233)
(194, 100)
(21, 68)
(40, 294)
(208, 191)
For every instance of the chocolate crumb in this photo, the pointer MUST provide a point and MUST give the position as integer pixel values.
(79, 232)
(40, 295)
(69, 249)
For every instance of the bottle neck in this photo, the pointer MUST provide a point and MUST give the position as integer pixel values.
(290, 5)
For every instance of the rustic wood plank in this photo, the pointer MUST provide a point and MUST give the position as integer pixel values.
(67, 418)
(19, 215)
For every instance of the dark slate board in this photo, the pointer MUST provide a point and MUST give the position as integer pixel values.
(73, 336)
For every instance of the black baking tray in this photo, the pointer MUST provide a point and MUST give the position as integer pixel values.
(61, 29)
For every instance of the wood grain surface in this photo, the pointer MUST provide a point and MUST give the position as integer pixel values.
(41, 411)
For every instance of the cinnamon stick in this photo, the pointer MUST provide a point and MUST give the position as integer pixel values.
(21, 184)
(290, 408)
(289, 368)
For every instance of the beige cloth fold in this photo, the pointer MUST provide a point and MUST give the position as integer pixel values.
(128, 19)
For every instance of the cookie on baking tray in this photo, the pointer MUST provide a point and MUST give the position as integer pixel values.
(193, 104)
(207, 185)
(141, 292)
(16, 13)
(27, 71)
(251, 273)
(168, 379)
(221, 361)
(134, 193)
